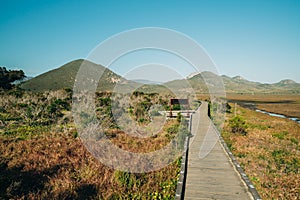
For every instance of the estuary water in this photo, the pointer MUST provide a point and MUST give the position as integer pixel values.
(278, 115)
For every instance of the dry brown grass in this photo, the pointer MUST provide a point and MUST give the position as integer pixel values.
(58, 166)
(44, 159)
(142, 145)
(291, 109)
(263, 97)
(288, 105)
(269, 153)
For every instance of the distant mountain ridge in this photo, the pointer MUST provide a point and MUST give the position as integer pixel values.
(286, 82)
(144, 81)
(64, 77)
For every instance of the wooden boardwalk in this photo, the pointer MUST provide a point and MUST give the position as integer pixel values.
(210, 172)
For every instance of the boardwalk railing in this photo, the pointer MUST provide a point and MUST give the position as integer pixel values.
(183, 169)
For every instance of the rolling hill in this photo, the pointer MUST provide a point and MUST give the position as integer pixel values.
(64, 77)
(235, 84)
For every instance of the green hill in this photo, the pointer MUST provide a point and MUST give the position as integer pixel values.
(64, 77)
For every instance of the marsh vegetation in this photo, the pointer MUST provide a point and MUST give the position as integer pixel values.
(42, 156)
(269, 152)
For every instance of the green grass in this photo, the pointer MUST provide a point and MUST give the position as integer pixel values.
(280, 135)
(25, 132)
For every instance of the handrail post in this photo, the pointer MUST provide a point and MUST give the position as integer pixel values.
(180, 190)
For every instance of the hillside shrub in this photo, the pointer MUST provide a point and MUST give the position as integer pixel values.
(238, 125)
(176, 107)
(124, 179)
(173, 129)
(179, 117)
(228, 108)
(104, 101)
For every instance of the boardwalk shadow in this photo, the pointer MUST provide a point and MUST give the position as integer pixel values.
(18, 183)
(14, 182)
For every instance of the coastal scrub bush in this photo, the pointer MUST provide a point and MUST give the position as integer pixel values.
(124, 179)
(238, 125)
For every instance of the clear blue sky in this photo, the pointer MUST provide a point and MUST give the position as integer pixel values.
(257, 39)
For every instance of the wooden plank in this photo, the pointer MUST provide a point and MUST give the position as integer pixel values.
(213, 176)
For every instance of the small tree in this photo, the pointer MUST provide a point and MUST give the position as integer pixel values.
(7, 77)
(238, 125)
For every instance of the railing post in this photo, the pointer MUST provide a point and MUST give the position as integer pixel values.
(180, 190)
